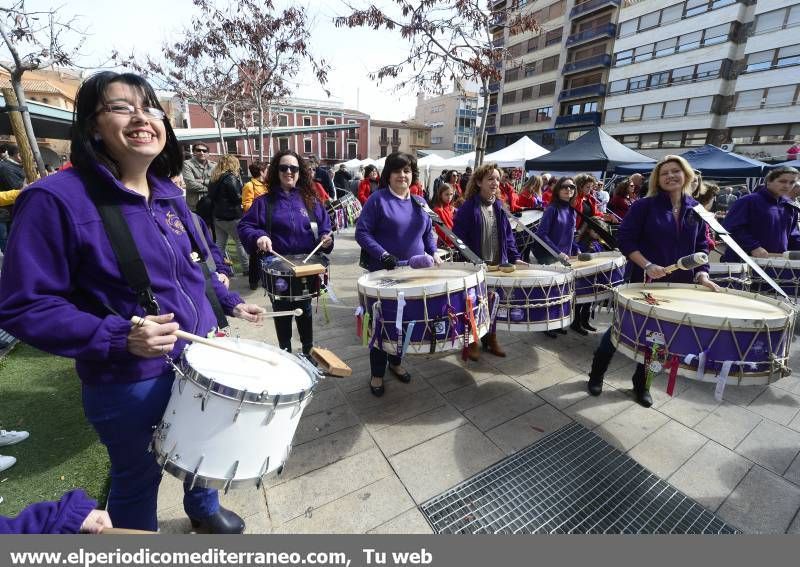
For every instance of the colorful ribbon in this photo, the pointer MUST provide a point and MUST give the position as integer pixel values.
(359, 320)
(722, 379)
(674, 363)
(407, 339)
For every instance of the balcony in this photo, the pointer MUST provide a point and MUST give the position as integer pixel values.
(467, 131)
(498, 20)
(603, 60)
(606, 31)
(467, 113)
(495, 87)
(579, 92)
(492, 109)
(592, 118)
(591, 6)
(352, 134)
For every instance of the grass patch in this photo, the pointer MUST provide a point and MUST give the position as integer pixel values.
(41, 393)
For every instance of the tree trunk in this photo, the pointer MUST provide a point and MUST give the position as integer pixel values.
(23, 143)
(480, 135)
(261, 131)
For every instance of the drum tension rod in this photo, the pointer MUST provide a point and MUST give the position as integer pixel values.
(239, 409)
(196, 470)
(264, 469)
(230, 479)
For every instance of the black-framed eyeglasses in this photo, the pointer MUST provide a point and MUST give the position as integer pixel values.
(201, 150)
(126, 109)
(285, 168)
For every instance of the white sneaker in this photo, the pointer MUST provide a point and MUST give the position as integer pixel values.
(6, 462)
(12, 437)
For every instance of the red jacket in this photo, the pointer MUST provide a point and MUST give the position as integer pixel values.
(321, 193)
(547, 196)
(580, 199)
(510, 197)
(527, 200)
(416, 189)
(446, 214)
(364, 190)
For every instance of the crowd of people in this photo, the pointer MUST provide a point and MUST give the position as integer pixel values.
(128, 169)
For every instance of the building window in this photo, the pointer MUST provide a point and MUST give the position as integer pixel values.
(675, 108)
(717, 34)
(549, 64)
(700, 105)
(749, 99)
(384, 151)
(649, 141)
(759, 61)
(772, 134)
(230, 146)
(652, 111)
(746, 135)
(631, 140)
(307, 145)
(632, 113)
(619, 86)
(283, 120)
(669, 15)
(306, 121)
(696, 138)
(710, 69)
(507, 119)
(773, 58)
(613, 115)
(352, 150)
(547, 89)
(666, 47)
(509, 97)
(659, 79)
(525, 117)
(553, 37)
(512, 75)
(637, 83)
(671, 139)
(283, 144)
(781, 96)
(544, 114)
(330, 149)
(574, 135)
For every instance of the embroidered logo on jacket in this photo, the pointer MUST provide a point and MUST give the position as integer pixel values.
(174, 222)
(303, 212)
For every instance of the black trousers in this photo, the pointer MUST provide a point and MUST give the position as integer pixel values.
(378, 359)
(305, 324)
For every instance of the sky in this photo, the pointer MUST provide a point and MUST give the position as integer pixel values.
(143, 26)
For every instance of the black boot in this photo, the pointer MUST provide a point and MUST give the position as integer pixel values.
(585, 319)
(577, 327)
(640, 390)
(223, 522)
(600, 364)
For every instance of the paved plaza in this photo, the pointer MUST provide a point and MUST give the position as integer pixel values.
(362, 464)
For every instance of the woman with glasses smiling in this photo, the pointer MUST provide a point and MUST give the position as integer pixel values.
(62, 289)
(280, 221)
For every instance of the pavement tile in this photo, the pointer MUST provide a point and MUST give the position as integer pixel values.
(531, 359)
(529, 427)
(503, 408)
(548, 376)
(454, 379)
(763, 503)
(631, 426)
(789, 383)
(777, 405)
(258, 524)
(792, 474)
(324, 423)
(363, 398)
(566, 393)
(170, 493)
(293, 498)
(742, 395)
(322, 452)
(409, 522)
(354, 513)
(173, 521)
(692, 405)
(437, 366)
(246, 502)
(771, 445)
(728, 424)
(438, 464)
(667, 449)
(324, 400)
(594, 410)
(795, 424)
(795, 527)
(418, 429)
(378, 417)
(710, 475)
(481, 392)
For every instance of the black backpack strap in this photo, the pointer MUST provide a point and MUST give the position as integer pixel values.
(130, 262)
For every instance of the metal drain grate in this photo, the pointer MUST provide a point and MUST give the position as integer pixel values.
(571, 481)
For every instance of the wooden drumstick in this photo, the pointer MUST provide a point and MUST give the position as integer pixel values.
(138, 321)
(282, 258)
(314, 251)
(296, 312)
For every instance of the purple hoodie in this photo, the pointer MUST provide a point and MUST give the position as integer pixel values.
(65, 516)
(761, 220)
(60, 270)
(468, 224)
(291, 226)
(557, 227)
(650, 227)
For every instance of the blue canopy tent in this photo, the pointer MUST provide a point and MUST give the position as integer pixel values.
(795, 163)
(711, 161)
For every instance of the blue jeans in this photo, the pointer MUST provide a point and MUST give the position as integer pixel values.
(124, 416)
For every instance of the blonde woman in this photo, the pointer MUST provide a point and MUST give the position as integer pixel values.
(657, 231)
(225, 192)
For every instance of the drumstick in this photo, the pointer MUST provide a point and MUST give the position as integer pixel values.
(312, 252)
(126, 531)
(689, 262)
(283, 258)
(296, 312)
(138, 321)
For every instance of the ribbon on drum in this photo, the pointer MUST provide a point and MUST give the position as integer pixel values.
(398, 321)
(701, 363)
(377, 318)
(674, 363)
(470, 316)
(407, 339)
(359, 321)
(495, 303)
(722, 379)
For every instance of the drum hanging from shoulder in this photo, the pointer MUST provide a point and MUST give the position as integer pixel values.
(281, 283)
(744, 336)
(734, 276)
(426, 310)
(231, 418)
(596, 279)
(785, 273)
(532, 298)
(530, 219)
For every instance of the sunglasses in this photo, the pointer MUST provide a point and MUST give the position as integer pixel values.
(201, 150)
(284, 168)
(568, 187)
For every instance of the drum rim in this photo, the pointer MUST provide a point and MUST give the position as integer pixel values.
(202, 481)
(559, 274)
(244, 396)
(701, 321)
(474, 279)
(742, 268)
(777, 262)
(615, 261)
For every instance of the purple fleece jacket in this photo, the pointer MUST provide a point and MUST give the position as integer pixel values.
(62, 517)
(468, 225)
(650, 227)
(557, 227)
(291, 226)
(60, 270)
(761, 220)
(397, 226)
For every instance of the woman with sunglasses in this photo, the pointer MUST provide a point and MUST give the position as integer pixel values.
(393, 227)
(658, 230)
(77, 303)
(281, 222)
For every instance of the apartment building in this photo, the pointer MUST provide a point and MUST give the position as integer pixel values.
(405, 136)
(689, 72)
(452, 118)
(555, 80)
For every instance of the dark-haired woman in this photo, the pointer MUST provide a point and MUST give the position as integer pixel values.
(368, 184)
(393, 227)
(76, 303)
(282, 222)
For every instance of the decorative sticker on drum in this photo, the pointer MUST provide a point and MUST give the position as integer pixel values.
(655, 337)
(281, 284)
(502, 313)
(517, 314)
(440, 328)
(385, 282)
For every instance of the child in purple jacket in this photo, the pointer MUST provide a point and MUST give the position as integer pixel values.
(74, 513)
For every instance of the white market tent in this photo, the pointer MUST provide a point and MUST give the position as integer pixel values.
(462, 161)
(516, 154)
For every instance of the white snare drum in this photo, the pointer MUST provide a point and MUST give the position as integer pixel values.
(740, 335)
(735, 276)
(596, 278)
(533, 298)
(231, 419)
(437, 309)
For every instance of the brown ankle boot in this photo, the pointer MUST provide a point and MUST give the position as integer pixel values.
(491, 344)
(474, 352)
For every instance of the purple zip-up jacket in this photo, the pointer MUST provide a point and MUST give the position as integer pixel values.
(557, 227)
(761, 220)
(649, 227)
(60, 272)
(291, 226)
(397, 226)
(65, 516)
(468, 226)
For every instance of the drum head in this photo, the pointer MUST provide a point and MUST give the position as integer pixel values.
(452, 276)
(534, 274)
(244, 373)
(600, 262)
(530, 217)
